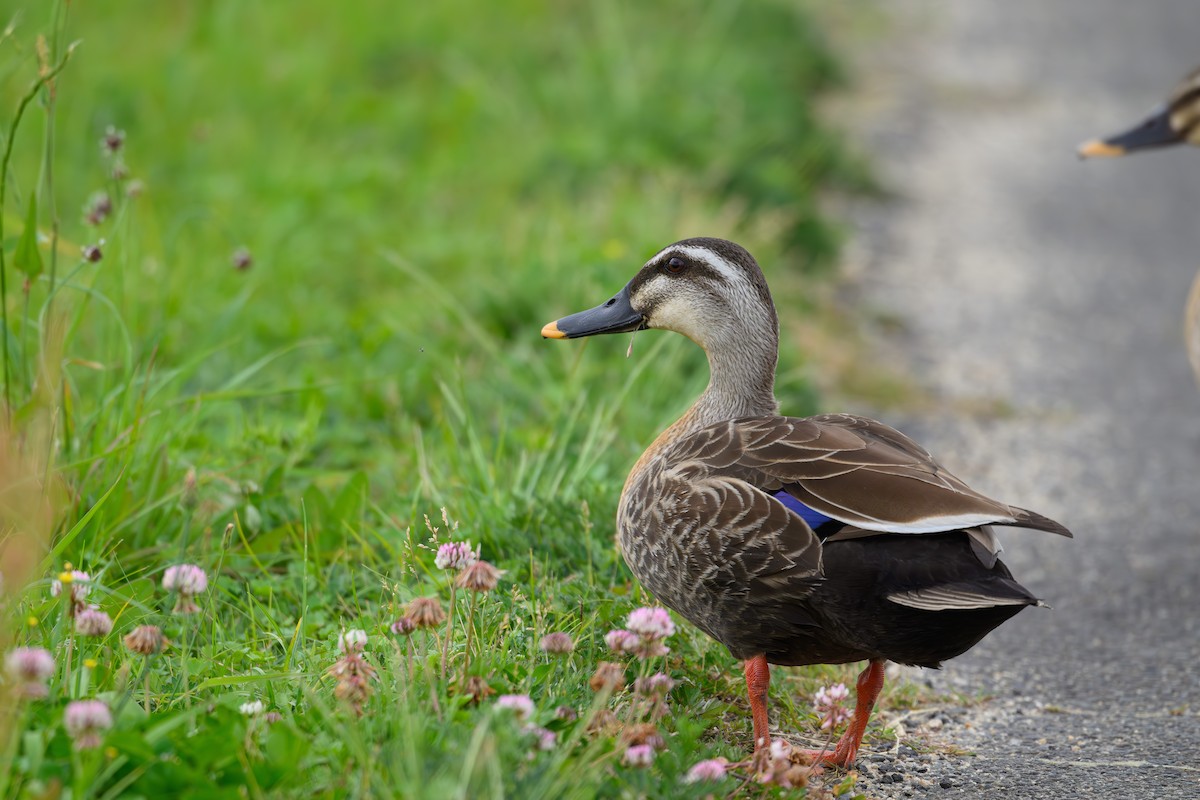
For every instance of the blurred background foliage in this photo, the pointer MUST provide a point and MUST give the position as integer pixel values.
(420, 186)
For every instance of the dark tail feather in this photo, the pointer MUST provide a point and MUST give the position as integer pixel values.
(1035, 521)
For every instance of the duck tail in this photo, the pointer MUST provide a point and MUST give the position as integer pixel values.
(1035, 521)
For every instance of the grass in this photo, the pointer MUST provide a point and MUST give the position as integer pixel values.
(419, 188)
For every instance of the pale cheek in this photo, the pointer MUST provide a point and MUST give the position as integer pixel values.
(673, 315)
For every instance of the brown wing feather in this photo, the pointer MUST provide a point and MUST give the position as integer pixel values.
(754, 546)
(710, 544)
(859, 471)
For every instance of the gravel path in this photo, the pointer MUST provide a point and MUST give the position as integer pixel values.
(1040, 303)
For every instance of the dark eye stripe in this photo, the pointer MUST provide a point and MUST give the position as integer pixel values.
(705, 272)
(695, 269)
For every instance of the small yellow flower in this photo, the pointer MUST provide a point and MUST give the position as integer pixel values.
(90, 663)
(68, 566)
(110, 752)
(66, 576)
(613, 249)
(31, 621)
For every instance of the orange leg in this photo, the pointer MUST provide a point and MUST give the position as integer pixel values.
(758, 678)
(870, 683)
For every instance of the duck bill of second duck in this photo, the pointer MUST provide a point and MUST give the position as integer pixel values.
(1176, 121)
(792, 541)
(1156, 130)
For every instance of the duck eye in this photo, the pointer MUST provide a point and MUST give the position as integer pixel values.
(675, 266)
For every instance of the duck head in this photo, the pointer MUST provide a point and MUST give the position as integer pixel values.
(710, 290)
(1176, 122)
(713, 292)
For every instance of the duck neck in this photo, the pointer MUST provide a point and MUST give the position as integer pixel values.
(741, 381)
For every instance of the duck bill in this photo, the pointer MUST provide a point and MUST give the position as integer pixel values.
(1154, 131)
(615, 316)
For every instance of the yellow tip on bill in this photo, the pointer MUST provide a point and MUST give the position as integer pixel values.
(1099, 148)
(551, 331)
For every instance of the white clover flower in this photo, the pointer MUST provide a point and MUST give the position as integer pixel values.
(828, 703)
(519, 704)
(79, 582)
(557, 643)
(455, 555)
(30, 668)
(639, 755)
(650, 622)
(91, 621)
(253, 709)
(714, 769)
(352, 641)
(621, 640)
(545, 739)
(86, 721)
(188, 580)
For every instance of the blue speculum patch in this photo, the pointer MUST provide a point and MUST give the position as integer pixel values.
(815, 519)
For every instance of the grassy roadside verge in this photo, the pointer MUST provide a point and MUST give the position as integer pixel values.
(332, 239)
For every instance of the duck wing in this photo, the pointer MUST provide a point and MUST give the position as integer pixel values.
(691, 529)
(752, 546)
(859, 472)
